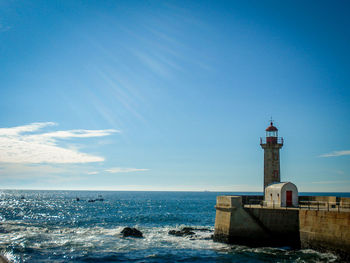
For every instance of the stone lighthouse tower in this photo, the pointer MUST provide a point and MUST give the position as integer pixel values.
(271, 145)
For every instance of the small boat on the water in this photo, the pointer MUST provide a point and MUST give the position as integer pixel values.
(99, 198)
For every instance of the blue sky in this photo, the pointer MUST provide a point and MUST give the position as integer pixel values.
(173, 95)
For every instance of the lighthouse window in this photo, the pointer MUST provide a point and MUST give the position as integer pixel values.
(271, 134)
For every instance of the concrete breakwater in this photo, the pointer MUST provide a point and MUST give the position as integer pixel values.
(319, 224)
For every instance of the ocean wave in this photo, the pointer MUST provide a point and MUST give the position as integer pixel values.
(51, 226)
(104, 244)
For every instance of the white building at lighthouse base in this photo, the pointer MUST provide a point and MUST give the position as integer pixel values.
(281, 195)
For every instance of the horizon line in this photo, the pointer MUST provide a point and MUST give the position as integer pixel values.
(91, 190)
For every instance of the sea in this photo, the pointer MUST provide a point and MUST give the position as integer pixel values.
(69, 226)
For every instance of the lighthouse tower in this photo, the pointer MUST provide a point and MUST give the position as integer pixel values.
(271, 145)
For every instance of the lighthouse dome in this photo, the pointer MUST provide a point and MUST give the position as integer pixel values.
(271, 128)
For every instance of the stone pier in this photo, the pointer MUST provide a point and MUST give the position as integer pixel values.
(256, 225)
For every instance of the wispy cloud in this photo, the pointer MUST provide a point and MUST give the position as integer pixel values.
(124, 170)
(93, 172)
(25, 144)
(336, 153)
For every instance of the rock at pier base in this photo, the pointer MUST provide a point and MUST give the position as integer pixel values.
(186, 231)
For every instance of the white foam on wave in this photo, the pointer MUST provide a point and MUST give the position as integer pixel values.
(327, 257)
(103, 239)
(300, 256)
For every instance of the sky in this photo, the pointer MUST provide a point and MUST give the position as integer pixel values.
(173, 95)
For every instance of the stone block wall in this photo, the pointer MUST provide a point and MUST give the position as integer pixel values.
(281, 224)
(233, 224)
(325, 231)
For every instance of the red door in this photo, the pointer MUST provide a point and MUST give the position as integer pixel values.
(289, 198)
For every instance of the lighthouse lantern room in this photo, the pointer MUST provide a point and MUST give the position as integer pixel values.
(271, 134)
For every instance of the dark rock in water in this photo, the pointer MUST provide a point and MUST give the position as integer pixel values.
(203, 229)
(91, 201)
(174, 233)
(131, 232)
(3, 231)
(196, 229)
(78, 199)
(186, 231)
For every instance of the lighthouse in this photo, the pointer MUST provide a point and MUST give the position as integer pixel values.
(271, 145)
